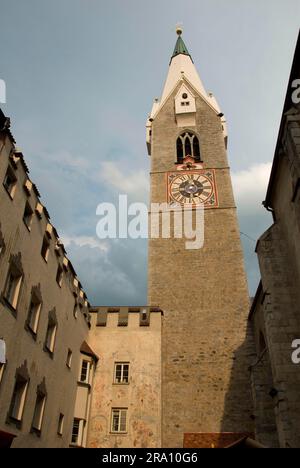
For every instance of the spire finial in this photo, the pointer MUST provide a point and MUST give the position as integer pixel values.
(180, 47)
(179, 29)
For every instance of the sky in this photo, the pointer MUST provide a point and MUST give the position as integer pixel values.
(81, 76)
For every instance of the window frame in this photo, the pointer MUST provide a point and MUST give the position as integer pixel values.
(88, 371)
(52, 325)
(13, 283)
(122, 365)
(50, 337)
(60, 426)
(46, 243)
(119, 412)
(39, 412)
(79, 436)
(12, 288)
(77, 309)
(69, 358)
(185, 139)
(2, 370)
(18, 399)
(30, 214)
(33, 316)
(59, 275)
(10, 190)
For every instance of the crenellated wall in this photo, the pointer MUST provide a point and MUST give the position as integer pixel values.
(132, 336)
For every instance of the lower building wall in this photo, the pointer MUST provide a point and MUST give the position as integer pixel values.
(276, 316)
(214, 440)
(140, 347)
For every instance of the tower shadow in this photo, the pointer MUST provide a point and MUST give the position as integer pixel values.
(238, 415)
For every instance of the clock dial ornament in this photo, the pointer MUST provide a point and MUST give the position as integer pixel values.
(192, 188)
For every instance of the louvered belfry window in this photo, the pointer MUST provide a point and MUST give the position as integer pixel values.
(188, 145)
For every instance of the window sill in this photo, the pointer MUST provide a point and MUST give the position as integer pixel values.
(35, 431)
(121, 384)
(84, 384)
(31, 332)
(8, 193)
(50, 353)
(27, 227)
(14, 422)
(119, 433)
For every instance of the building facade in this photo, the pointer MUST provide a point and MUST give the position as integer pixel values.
(44, 313)
(126, 405)
(180, 371)
(274, 316)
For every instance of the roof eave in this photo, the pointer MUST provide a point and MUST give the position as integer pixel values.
(287, 105)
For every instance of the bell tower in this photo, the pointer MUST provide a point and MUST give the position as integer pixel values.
(203, 293)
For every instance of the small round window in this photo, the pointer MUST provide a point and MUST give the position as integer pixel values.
(184, 96)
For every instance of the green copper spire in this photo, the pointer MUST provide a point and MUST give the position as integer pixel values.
(180, 47)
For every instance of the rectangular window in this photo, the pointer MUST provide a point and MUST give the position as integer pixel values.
(59, 276)
(34, 315)
(76, 432)
(28, 216)
(45, 249)
(2, 357)
(121, 373)
(18, 399)
(1, 245)
(85, 372)
(39, 412)
(61, 422)
(69, 359)
(50, 336)
(119, 420)
(1, 371)
(77, 309)
(10, 182)
(13, 286)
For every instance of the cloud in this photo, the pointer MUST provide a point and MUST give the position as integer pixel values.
(250, 186)
(115, 275)
(72, 187)
(83, 241)
(135, 183)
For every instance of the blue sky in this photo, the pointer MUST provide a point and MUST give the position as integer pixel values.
(81, 76)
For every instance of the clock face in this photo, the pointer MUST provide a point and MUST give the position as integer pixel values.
(192, 188)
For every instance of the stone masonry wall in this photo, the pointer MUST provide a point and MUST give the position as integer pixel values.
(204, 295)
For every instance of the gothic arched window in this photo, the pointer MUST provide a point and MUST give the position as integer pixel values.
(188, 145)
